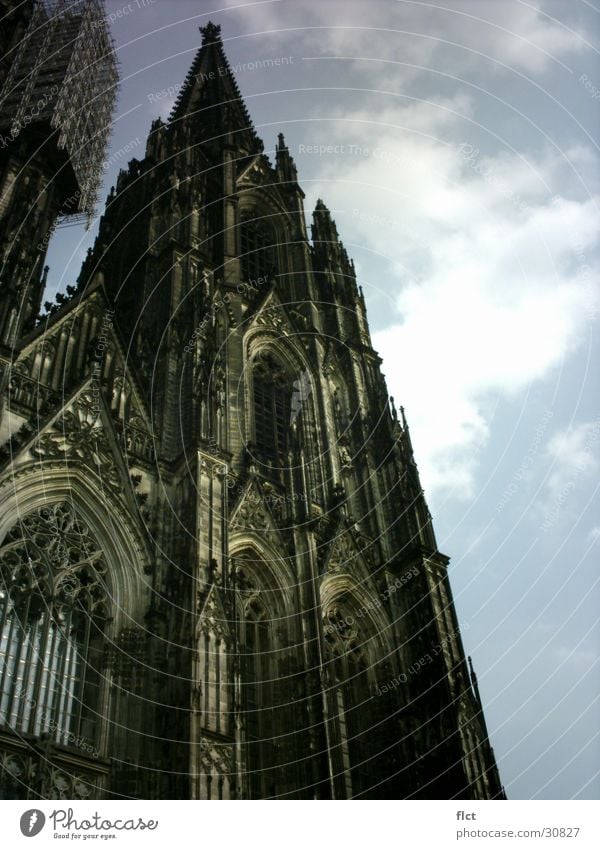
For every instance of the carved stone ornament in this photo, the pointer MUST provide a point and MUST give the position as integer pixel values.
(216, 755)
(77, 436)
(212, 467)
(60, 784)
(343, 556)
(273, 318)
(51, 554)
(213, 619)
(251, 516)
(340, 634)
(345, 458)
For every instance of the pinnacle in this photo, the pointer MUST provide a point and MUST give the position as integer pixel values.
(210, 33)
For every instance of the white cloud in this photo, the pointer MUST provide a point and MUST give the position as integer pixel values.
(573, 453)
(594, 534)
(518, 35)
(482, 271)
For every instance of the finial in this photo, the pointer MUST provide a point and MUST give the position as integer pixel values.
(210, 33)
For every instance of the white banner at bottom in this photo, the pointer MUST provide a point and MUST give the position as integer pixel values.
(302, 824)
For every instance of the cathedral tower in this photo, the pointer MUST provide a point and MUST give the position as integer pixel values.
(263, 611)
(58, 88)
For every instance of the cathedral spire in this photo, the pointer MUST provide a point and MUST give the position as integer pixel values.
(286, 166)
(323, 228)
(210, 95)
(326, 241)
(406, 441)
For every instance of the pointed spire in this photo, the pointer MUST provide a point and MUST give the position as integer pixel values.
(286, 166)
(472, 673)
(323, 228)
(211, 97)
(331, 258)
(406, 440)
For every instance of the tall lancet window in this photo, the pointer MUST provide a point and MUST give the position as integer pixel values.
(258, 702)
(258, 252)
(272, 395)
(53, 610)
(352, 706)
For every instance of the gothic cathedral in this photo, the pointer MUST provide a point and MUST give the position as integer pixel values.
(218, 573)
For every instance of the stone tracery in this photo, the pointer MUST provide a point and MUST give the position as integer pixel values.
(53, 609)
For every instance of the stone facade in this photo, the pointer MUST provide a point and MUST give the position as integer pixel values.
(219, 576)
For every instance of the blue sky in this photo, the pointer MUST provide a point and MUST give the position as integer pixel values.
(461, 166)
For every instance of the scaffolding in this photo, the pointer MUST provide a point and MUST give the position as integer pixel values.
(64, 76)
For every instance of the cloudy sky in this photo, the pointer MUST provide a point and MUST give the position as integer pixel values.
(456, 145)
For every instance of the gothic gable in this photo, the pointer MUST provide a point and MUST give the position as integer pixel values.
(252, 514)
(80, 434)
(349, 555)
(254, 172)
(332, 366)
(272, 316)
(259, 189)
(52, 356)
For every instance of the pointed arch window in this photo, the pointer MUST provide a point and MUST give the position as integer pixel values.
(53, 611)
(258, 251)
(271, 750)
(352, 701)
(272, 409)
(257, 656)
(257, 699)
